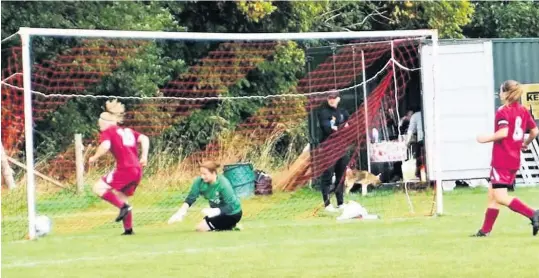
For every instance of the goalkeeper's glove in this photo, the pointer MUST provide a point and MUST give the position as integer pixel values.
(177, 217)
(211, 212)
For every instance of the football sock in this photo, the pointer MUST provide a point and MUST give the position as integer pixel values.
(517, 206)
(490, 217)
(113, 199)
(128, 221)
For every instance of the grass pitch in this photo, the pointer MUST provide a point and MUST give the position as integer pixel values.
(312, 247)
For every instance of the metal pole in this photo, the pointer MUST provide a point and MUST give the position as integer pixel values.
(29, 134)
(198, 36)
(437, 129)
(395, 87)
(79, 162)
(367, 132)
(357, 102)
(334, 69)
(313, 130)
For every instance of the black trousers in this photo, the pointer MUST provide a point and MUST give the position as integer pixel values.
(397, 174)
(339, 169)
(418, 150)
(223, 222)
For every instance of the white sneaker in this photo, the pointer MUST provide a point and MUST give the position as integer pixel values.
(331, 208)
(341, 207)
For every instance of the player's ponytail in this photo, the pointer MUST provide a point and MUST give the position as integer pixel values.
(512, 91)
(116, 110)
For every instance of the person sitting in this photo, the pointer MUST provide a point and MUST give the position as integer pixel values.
(225, 208)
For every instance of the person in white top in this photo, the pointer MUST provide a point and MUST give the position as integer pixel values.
(418, 144)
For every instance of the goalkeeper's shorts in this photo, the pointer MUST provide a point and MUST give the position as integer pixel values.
(223, 222)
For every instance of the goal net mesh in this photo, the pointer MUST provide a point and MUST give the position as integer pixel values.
(233, 102)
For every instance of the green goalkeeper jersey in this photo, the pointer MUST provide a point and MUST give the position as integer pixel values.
(220, 195)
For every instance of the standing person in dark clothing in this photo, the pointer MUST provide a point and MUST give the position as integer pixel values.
(331, 118)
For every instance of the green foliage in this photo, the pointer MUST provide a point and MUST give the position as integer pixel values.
(299, 16)
(227, 16)
(346, 16)
(447, 16)
(56, 132)
(203, 16)
(146, 68)
(119, 15)
(141, 74)
(290, 144)
(255, 10)
(153, 63)
(504, 19)
(275, 76)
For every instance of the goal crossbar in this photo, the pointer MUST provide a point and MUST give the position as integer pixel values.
(52, 32)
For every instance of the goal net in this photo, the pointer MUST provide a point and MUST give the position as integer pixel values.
(247, 101)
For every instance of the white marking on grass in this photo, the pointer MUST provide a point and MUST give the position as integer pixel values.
(249, 225)
(26, 264)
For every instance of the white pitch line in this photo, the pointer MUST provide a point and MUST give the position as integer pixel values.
(248, 225)
(169, 252)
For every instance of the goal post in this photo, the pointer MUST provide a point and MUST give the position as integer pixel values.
(26, 35)
(436, 131)
(28, 131)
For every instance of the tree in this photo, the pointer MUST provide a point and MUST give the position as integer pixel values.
(140, 74)
(123, 15)
(153, 64)
(349, 16)
(255, 10)
(446, 16)
(247, 16)
(507, 19)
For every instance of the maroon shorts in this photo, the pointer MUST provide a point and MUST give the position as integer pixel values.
(502, 176)
(124, 180)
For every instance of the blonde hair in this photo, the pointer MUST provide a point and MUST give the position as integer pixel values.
(114, 111)
(512, 91)
(212, 166)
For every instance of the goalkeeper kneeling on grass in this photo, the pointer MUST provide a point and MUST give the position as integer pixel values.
(225, 208)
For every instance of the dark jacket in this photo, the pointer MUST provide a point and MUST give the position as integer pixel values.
(325, 115)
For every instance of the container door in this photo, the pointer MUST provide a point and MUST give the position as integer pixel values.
(466, 103)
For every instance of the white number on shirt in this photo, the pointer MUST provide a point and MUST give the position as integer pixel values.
(128, 138)
(518, 134)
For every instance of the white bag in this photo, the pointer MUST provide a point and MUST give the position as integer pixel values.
(355, 210)
(409, 168)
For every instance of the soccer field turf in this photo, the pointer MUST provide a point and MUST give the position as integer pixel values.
(318, 247)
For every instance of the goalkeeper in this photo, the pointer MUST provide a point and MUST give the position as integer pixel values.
(225, 208)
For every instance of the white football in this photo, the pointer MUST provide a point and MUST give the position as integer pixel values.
(43, 225)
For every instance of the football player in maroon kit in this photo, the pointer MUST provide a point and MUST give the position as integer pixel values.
(124, 179)
(511, 122)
